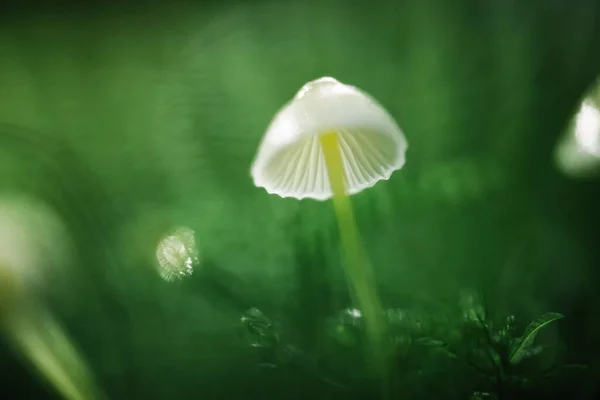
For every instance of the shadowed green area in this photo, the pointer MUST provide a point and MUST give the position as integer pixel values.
(132, 122)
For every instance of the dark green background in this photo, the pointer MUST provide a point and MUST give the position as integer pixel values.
(133, 119)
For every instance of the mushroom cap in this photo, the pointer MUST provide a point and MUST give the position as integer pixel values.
(33, 239)
(176, 254)
(577, 154)
(290, 161)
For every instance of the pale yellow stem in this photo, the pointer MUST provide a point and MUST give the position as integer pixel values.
(357, 266)
(38, 337)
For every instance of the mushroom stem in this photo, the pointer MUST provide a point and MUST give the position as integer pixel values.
(358, 270)
(38, 337)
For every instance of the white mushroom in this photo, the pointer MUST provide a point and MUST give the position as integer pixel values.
(578, 152)
(330, 141)
(176, 255)
(291, 160)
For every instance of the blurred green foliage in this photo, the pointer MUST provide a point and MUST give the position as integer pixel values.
(131, 121)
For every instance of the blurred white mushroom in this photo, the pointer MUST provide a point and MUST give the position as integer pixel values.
(177, 254)
(333, 140)
(33, 242)
(578, 152)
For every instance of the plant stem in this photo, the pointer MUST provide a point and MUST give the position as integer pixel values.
(500, 387)
(357, 266)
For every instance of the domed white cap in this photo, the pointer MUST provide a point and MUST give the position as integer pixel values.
(290, 161)
(32, 238)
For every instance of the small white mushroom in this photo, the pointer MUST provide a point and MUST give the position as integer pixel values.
(330, 141)
(291, 158)
(176, 255)
(578, 152)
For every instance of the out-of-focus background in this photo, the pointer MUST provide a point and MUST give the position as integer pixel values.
(137, 124)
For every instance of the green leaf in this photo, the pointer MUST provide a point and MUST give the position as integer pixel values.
(449, 353)
(437, 345)
(522, 345)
